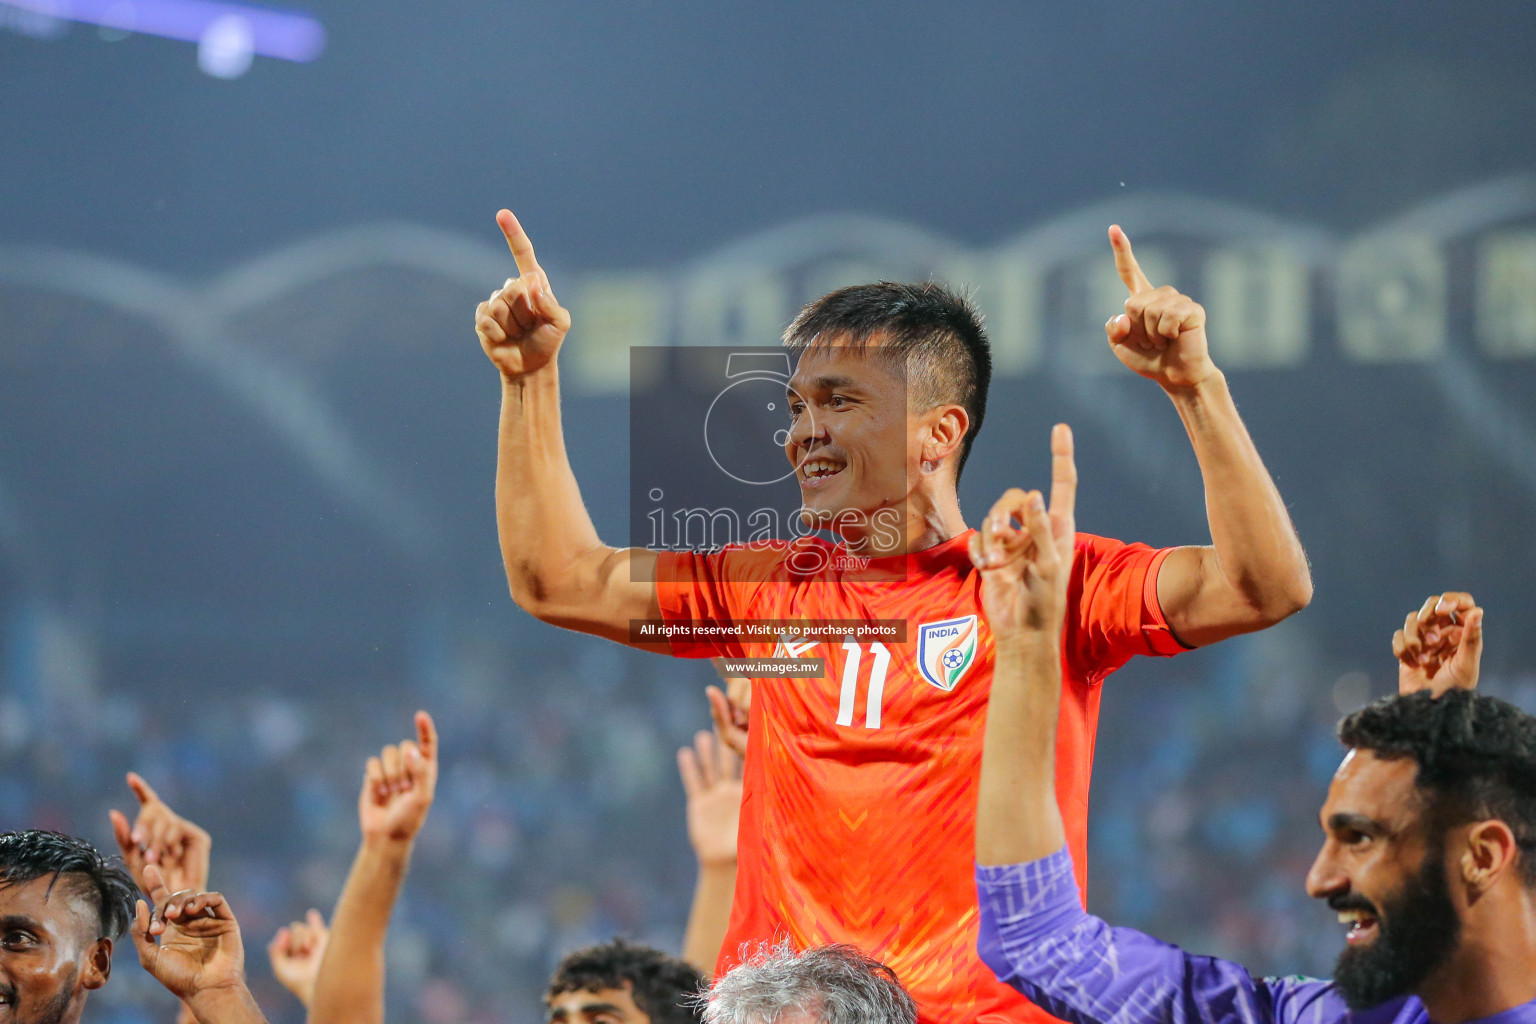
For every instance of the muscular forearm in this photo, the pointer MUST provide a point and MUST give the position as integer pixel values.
(350, 985)
(1017, 818)
(540, 516)
(710, 916)
(1256, 573)
(1036, 937)
(557, 567)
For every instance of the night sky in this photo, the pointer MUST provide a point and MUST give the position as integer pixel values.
(634, 133)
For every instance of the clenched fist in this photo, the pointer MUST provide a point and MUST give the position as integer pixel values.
(1161, 334)
(1440, 646)
(296, 951)
(521, 325)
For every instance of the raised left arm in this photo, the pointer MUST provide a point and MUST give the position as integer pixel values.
(1254, 573)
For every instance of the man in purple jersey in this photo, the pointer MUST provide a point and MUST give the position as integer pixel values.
(1429, 850)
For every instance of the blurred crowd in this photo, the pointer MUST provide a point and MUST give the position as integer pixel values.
(559, 816)
(558, 822)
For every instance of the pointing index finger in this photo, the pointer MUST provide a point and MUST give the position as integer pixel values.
(426, 735)
(518, 241)
(1125, 261)
(1063, 476)
(141, 789)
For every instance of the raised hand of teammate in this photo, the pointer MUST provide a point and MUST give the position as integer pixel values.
(1440, 645)
(191, 945)
(521, 325)
(1161, 334)
(296, 951)
(1024, 551)
(730, 708)
(160, 836)
(398, 786)
(711, 774)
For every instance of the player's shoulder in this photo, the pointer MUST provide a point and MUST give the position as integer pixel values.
(1297, 999)
(1091, 547)
(1092, 542)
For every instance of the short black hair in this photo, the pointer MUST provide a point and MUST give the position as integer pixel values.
(663, 986)
(1476, 756)
(938, 332)
(29, 855)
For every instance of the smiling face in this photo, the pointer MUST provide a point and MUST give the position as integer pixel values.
(858, 445)
(1382, 867)
(847, 439)
(50, 952)
(605, 1006)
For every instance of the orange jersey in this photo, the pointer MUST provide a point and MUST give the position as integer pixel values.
(858, 815)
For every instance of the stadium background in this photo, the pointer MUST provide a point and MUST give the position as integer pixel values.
(247, 436)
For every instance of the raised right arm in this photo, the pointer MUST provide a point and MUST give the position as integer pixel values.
(558, 569)
(398, 789)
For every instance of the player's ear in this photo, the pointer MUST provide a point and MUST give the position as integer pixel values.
(1491, 851)
(98, 965)
(947, 425)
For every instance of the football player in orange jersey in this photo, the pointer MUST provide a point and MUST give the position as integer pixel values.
(857, 819)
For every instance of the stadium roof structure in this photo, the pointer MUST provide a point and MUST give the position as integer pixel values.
(299, 450)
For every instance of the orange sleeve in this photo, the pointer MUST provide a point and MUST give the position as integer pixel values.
(1117, 612)
(715, 586)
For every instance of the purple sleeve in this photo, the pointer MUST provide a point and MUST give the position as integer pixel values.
(1036, 936)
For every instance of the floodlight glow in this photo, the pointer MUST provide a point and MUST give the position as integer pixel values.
(227, 48)
(224, 31)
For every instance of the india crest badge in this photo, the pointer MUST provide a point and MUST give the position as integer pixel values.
(946, 651)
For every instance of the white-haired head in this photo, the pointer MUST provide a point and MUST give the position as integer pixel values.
(826, 985)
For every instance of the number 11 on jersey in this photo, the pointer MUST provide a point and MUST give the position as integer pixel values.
(851, 666)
